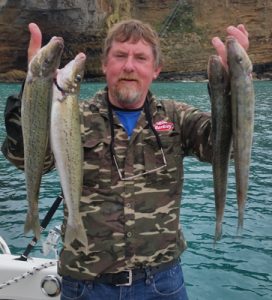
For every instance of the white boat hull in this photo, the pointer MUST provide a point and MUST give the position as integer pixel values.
(22, 280)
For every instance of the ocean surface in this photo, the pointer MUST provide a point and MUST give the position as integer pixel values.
(238, 267)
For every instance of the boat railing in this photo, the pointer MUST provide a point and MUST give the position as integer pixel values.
(4, 247)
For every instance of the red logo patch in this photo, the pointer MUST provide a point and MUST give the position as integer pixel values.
(164, 126)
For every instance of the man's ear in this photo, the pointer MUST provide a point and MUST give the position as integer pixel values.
(104, 66)
(103, 69)
(156, 72)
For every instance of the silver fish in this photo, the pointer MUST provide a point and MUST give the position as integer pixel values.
(66, 143)
(221, 135)
(36, 104)
(243, 105)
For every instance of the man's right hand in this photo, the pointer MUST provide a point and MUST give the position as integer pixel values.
(35, 42)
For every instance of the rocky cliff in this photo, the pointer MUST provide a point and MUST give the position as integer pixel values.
(185, 27)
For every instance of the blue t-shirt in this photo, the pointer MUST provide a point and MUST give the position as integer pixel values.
(128, 118)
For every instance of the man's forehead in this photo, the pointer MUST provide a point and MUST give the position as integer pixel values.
(137, 46)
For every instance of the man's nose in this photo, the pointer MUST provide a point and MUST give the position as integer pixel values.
(129, 64)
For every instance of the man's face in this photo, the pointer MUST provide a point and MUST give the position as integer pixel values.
(129, 69)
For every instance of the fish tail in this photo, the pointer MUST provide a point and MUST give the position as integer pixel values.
(241, 199)
(76, 232)
(218, 232)
(32, 223)
(240, 222)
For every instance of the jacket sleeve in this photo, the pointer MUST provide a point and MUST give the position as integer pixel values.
(196, 132)
(13, 147)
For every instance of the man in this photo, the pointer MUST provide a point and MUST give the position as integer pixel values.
(134, 145)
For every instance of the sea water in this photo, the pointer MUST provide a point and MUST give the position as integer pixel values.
(238, 267)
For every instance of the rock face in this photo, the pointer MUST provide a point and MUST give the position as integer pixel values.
(185, 27)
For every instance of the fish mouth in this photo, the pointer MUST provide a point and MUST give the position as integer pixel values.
(58, 41)
(80, 56)
(80, 59)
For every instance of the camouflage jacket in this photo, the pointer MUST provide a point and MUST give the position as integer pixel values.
(130, 223)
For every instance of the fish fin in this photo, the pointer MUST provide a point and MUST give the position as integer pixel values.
(76, 232)
(32, 223)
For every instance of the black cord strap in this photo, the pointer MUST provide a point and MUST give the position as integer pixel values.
(43, 225)
(148, 118)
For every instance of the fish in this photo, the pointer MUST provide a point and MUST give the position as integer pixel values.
(219, 86)
(66, 144)
(243, 107)
(35, 117)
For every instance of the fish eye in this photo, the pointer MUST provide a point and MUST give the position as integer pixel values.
(78, 78)
(47, 60)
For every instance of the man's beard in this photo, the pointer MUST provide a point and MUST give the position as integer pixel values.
(127, 94)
